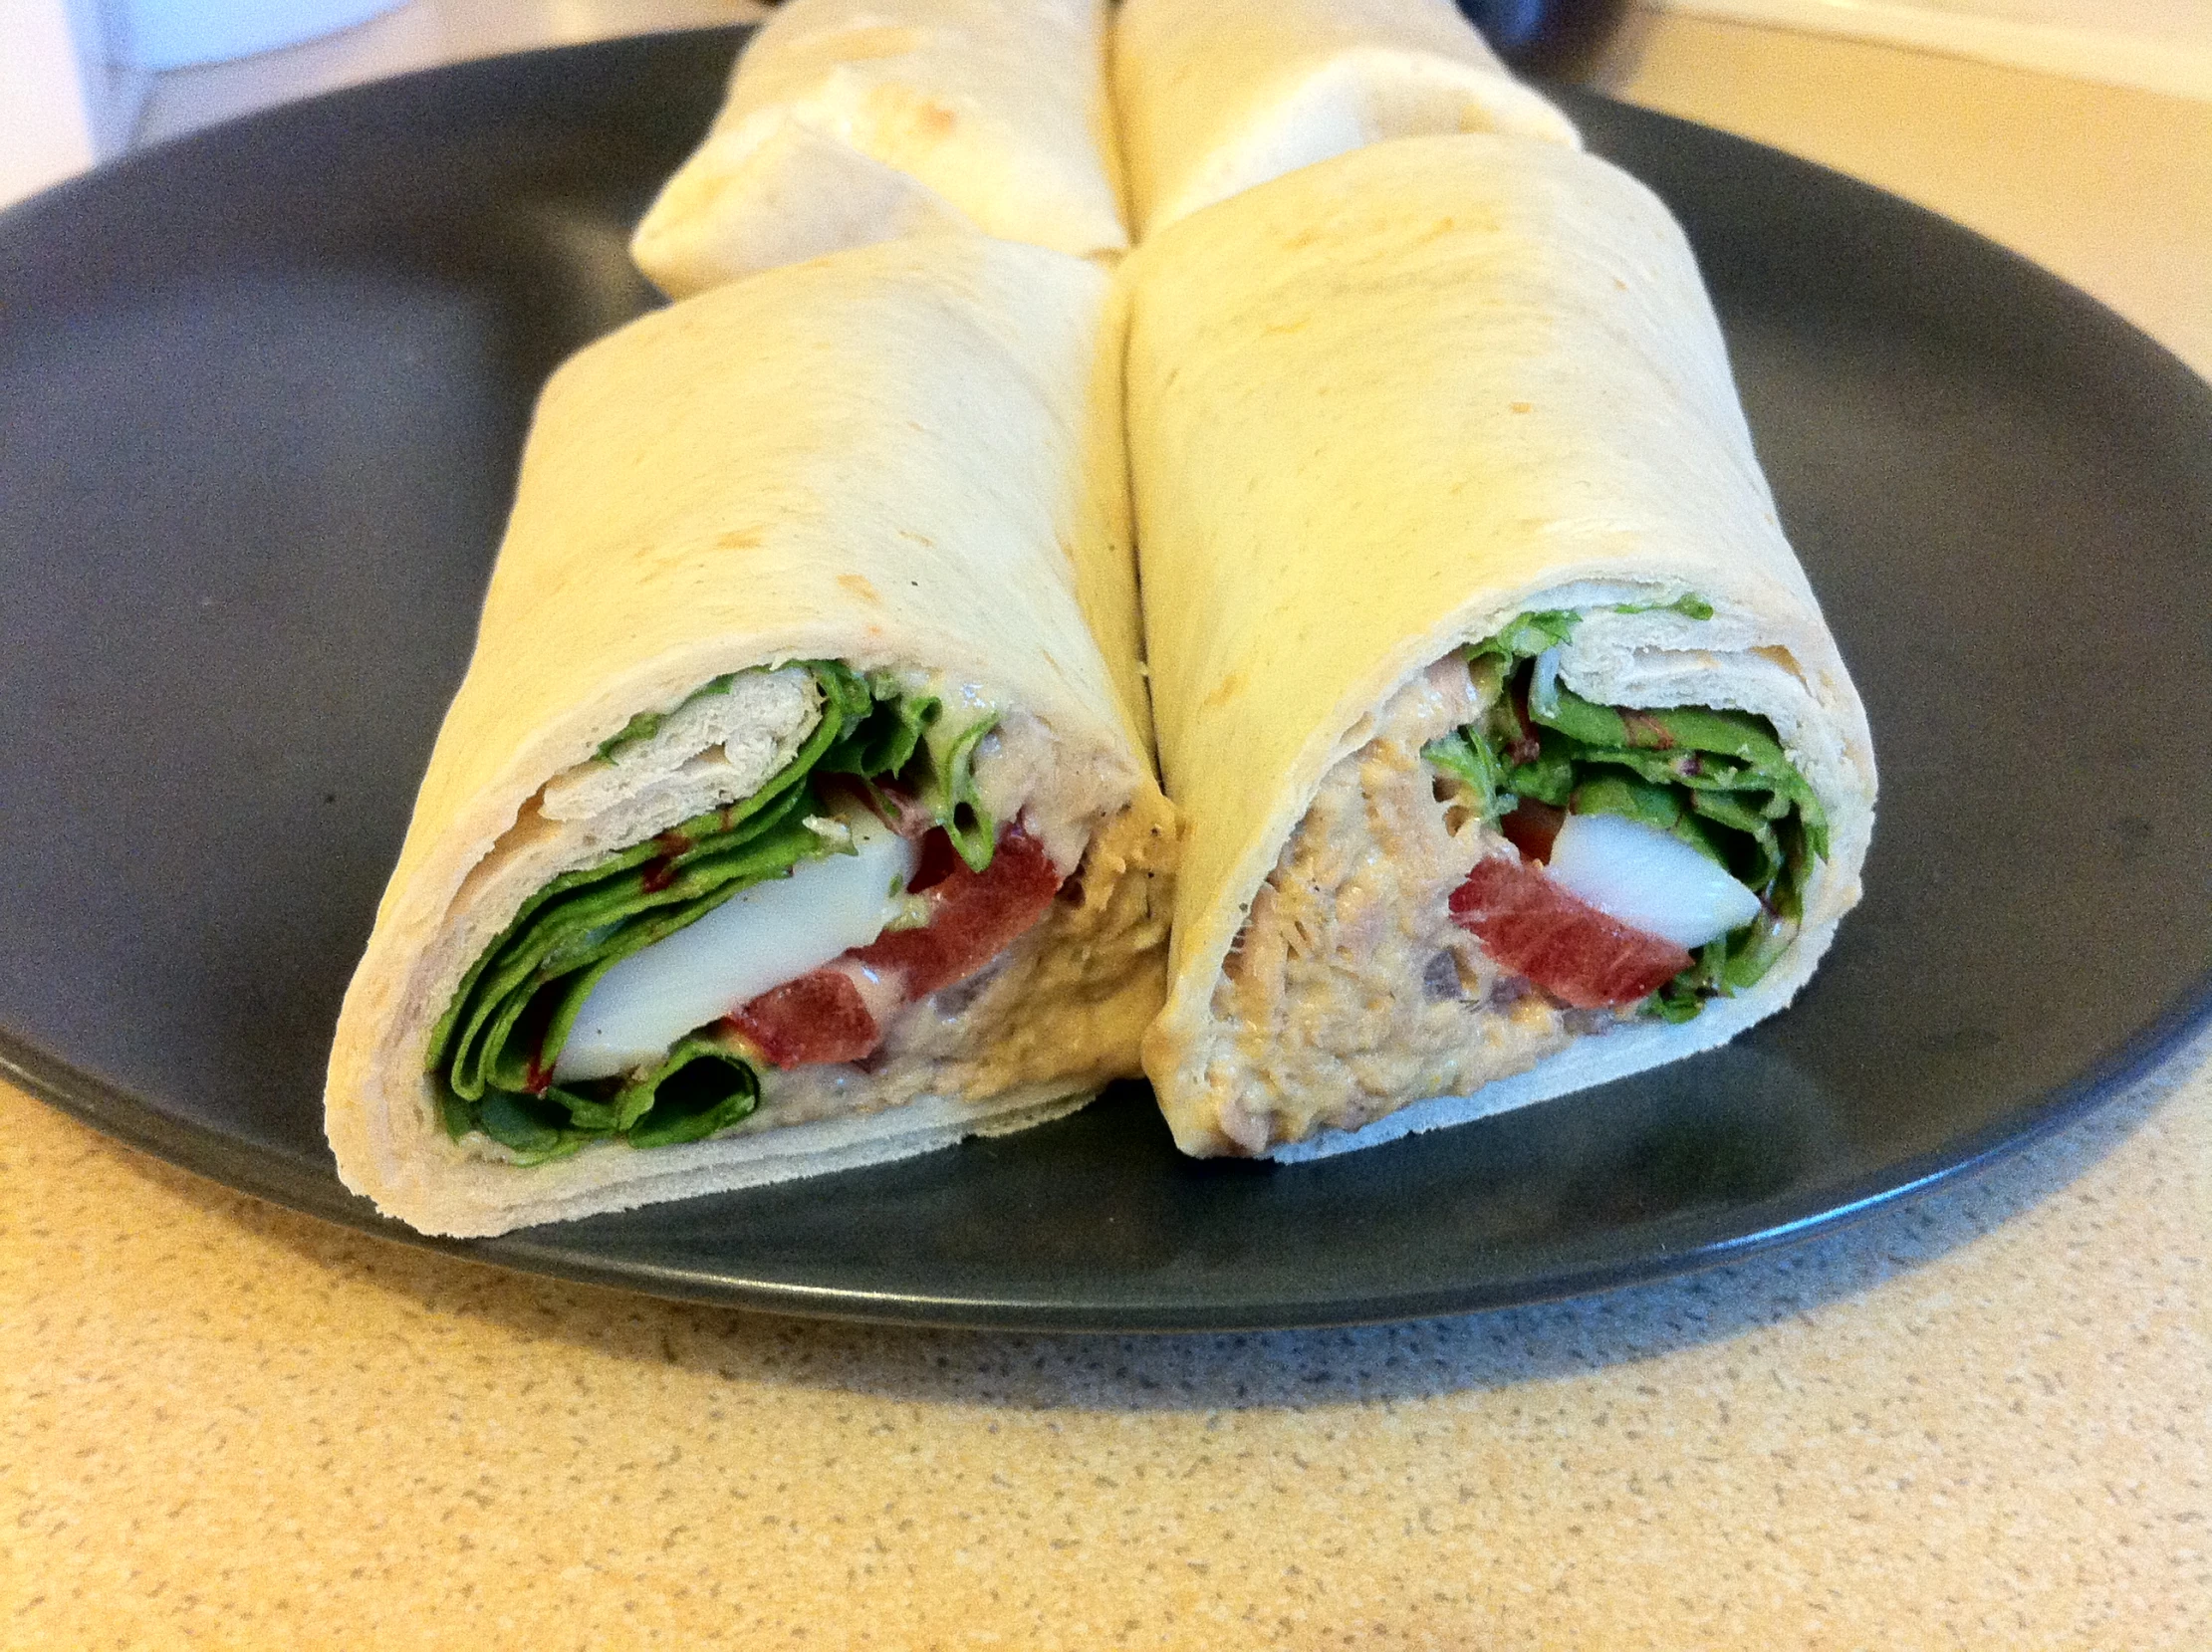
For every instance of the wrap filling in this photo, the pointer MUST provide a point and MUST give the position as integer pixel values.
(646, 998)
(1658, 857)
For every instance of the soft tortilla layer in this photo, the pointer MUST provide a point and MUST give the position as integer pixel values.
(1378, 407)
(1219, 97)
(891, 457)
(853, 121)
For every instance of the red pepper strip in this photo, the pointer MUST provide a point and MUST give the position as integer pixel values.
(973, 916)
(817, 1018)
(1575, 952)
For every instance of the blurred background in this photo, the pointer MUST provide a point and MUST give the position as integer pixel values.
(85, 81)
(2077, 131)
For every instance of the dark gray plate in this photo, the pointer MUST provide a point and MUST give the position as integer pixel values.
(261, 396)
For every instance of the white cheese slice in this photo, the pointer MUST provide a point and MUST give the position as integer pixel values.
(1648, 879)
(757, 939)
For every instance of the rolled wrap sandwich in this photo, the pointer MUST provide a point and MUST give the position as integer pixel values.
(1513, 749)
(1217, 97)
(794, 811)
(851, 122)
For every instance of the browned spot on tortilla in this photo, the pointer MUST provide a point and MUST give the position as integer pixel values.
(876, 41)
(1229, 688)
(1521, 406)
(933, 120)
(859, 586)
(743, 539)
(922, 539)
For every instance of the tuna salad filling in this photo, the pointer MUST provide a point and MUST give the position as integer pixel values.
(896, 853)
(1351, 989)
(1499, 868)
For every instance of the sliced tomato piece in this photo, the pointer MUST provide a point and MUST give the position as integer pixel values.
(972, 916)
(817, 1018)
(1564, 945)
(1531, 828)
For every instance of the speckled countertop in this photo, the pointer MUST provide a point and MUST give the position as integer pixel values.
(1981, 1420)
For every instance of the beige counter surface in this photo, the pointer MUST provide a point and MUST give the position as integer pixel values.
(1980, 1420)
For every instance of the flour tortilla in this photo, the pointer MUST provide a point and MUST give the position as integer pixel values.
(1218, 97)
(903, 457)
(1376, 408)
(851, 122)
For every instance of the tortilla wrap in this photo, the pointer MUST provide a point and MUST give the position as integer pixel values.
(905, 458)
(851, 122)
(1379, 408)
(1219, 97)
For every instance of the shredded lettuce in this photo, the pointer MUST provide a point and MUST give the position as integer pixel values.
(493, 1051)
(1717, 780)
(1689, 604)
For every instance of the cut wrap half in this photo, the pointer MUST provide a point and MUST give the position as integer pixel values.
(1218, 97)
(795, 810)
(1513, 751)
(851, 122)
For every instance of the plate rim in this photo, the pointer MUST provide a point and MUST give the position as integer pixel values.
(269, 1174)
(122, 1118)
